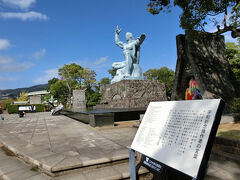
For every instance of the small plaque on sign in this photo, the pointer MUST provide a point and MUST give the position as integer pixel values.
(176, 133)
(152, 164)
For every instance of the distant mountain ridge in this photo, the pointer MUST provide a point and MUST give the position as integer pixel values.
(15, 92)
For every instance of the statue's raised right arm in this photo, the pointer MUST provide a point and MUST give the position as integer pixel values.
(117, 41)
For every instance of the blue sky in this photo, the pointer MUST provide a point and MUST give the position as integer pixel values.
(39, 36)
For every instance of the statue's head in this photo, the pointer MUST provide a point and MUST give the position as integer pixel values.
(129, 36)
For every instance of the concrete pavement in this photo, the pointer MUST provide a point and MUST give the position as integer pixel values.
(57, 143)
(48, 146)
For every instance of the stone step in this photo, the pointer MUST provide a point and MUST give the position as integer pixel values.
(12, 168)
(218, 154)
(54, 164)
(226, 149)
(227, 142)
(58, 164)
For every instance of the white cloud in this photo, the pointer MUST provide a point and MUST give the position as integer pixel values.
(39, 54)
(4, 44)
(49, 74)
(8, 79)
(22, 4)
(5, 60)
(8, 64)
(24, 16)
(100, 61)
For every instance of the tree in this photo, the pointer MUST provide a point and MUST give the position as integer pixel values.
(77, 77)
(164, 75)
(22, 96)
(48, 97)
(112, 72)
(50, 82)
(7, 102)
(197, 14)
(103, 84)
(105, 81)
(93, 98)
(233, 54)
(59, 91)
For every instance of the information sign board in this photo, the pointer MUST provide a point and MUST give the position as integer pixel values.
(178, 133)
(25, 108)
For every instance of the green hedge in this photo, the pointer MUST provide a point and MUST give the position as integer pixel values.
(6, 105)
(40, 107)
(13, 109)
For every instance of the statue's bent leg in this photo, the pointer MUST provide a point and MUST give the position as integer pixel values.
(129, 65)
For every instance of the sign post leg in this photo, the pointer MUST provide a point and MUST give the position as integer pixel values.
(132, 164)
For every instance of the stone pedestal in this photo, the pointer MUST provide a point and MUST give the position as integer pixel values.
(132, 94)
(79, 101)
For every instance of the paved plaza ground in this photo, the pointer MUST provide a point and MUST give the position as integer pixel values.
(60, 145)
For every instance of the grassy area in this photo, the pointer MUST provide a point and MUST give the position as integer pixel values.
(229, 130)
(230, 134)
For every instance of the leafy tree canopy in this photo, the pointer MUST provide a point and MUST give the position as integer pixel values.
(22, 97)
(233, 54)
(112, 72)
(164, 75)
(77, 77)
(50, 82)
(197, 14)
(93, 99)
(104, 81)
(59, 91)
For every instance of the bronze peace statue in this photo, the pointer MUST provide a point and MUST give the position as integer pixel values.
(128, 69)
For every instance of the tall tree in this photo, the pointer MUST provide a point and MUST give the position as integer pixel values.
(77, 77)
(164, 75)
(197, 14)
(233, 54)
(50, 82)
(59, 91)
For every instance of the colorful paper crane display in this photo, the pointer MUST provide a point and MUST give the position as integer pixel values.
(192, 92)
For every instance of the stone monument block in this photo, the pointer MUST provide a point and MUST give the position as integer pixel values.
(133, 94)
(79, 101)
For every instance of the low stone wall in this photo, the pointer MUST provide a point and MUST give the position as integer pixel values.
(133, 94)
(228, 118)
(226, 149)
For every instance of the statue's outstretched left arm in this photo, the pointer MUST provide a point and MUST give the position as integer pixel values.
(140, 39)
